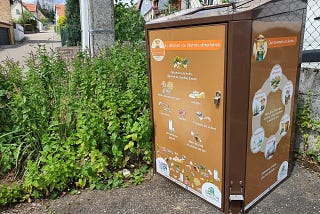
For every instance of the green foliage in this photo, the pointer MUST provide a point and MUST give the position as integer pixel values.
(10, 194)
(27, 18)
(306, 124)
(61, 21)
(129, 24)
(67, 127)
(73, 26)
(49, 14)
(45, 22)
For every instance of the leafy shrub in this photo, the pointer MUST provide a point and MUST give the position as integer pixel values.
(129, 24)
(10, 194)
(77, 127)
(62, 21)
(307, 124)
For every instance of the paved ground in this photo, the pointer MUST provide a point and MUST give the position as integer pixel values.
(19, 52)
(300, 194)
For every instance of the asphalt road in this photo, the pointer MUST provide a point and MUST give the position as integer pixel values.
(19, 52)
(299, 194)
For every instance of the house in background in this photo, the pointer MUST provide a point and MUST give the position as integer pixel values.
(152, 9)
(32, 8)
(59, 10)
(17, 8)
(6, 24)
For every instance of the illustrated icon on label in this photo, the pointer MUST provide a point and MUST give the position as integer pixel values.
(171, 126)
(284, 124)
(167, 87)
(259, 103)
(158, 50)
(260, 48)
(162, 166)
(275, 77)
(180, 62)
(164, 106)
(182, 113)
(197, 95)
(196, 136)
(216, 175)
(287, 93)
(202, 117)
(211, 193)
(257, 140)
(271, 147)
(283, 171)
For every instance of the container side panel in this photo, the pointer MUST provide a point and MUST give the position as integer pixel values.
(274, 63)
(187, 73)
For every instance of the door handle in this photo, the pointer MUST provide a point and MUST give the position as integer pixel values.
(217, 98)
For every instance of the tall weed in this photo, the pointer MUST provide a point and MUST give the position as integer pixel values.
(79, 125)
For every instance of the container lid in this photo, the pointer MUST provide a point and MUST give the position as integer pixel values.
(243, 10)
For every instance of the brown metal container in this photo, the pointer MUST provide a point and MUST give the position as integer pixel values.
(223, 82)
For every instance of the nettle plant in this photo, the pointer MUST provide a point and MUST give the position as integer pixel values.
(308, 124)
(68, 127)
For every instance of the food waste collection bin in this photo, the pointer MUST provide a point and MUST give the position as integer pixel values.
(223, 81)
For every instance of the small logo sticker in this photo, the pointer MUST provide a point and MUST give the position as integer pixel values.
(158, 50)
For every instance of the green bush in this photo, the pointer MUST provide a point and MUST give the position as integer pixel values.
(77, 126)
(129, 24)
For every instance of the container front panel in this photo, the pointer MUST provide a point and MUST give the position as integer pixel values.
(187, 68)
(274, 64)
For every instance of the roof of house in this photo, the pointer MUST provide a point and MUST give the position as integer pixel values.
(60, 9)
(30, 7)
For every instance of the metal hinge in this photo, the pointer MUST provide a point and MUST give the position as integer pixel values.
(236, 197)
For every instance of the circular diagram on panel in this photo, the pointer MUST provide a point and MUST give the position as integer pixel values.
(257, 140)
(260, 48)
(287, 92)
(158, 50)
(275, 77)
(283, 171)
(259, 103)
(284, 124)
(162, 167)
(271, 147)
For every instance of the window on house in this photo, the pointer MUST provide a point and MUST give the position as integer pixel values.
(210, 2)
(17, 12)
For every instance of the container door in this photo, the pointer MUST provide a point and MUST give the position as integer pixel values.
(187, 69)
(274, 64)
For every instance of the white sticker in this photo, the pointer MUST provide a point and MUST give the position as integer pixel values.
(259, 103)
(275, 77)
(257, 140)
(284, 124)
(287, 92)
(283, 171)
(158, 50)
(271, 147)
(162, 167)
(211, 193)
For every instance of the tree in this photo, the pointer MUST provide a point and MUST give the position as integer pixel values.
(62, 21)
(27, 18)
(73, 26)
(129, 24)
(49, 14)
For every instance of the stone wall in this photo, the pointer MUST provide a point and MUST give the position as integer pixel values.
(5, 12)
(68, 54)
(309, 88)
